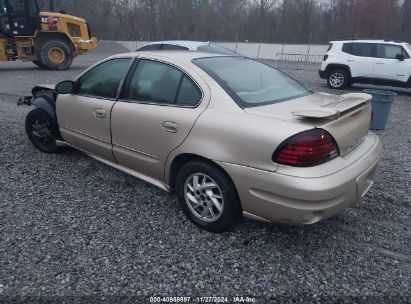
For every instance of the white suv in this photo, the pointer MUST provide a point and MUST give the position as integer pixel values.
(379, 62)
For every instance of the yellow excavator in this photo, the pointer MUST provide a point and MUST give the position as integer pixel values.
(48, 39)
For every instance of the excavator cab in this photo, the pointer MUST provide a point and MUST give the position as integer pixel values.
(50, 40)
(19, 17)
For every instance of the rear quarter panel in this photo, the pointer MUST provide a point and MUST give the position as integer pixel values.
(237, 138)
(335, 56)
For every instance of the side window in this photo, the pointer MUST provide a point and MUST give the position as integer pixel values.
(154, 82)
(189, 94)
(17, 8)
(150, 47)
(33, 10)
(363, 49)
(172, 47)
(347, 48)
(104, 79)
(157, 82)
(3, 10)
(389, 51)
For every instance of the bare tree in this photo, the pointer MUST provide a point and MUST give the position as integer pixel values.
(292, 21)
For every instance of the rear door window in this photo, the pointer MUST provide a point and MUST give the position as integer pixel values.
(161, 83)
(189, 94)
(154, 82)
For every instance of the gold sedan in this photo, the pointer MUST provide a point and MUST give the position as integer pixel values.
(230, 135)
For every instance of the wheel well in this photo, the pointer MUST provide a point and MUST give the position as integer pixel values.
(47, 36)
(182, 159)
(332, 67)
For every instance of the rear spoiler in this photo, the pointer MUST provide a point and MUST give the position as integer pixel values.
(333, 110)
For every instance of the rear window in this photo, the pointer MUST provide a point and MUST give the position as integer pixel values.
(150, 47)
(251, 83)
(409, 47)
(173, 47)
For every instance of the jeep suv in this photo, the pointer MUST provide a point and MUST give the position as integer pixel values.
(378, 62)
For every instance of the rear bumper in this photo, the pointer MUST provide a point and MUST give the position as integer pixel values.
(279, 198)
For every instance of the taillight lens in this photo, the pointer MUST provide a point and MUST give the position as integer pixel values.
(308, 149)
(325, 57)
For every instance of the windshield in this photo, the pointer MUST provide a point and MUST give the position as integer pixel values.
(251, 83)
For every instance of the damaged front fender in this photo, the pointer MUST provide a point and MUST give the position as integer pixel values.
(44, 97)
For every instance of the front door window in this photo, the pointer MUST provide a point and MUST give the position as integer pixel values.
(103, 80)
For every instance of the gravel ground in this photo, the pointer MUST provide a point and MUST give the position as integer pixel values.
(74, 230)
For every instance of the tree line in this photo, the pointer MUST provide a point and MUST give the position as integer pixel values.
(276, 21)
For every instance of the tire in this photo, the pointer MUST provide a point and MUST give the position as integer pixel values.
(42, 131)
(338, 79)
(55, 55)
(223, 194)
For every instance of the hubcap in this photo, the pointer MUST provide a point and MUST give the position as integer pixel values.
(56, 55)
(204, 197)
(42, 132)
(336, 80)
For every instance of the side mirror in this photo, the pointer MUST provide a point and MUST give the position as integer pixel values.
(400, 57)
(65, 87)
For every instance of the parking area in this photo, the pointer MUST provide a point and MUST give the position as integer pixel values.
(75, 230)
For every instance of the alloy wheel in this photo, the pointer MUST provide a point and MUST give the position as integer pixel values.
(42, 132)
(337, 80)
(204, 197)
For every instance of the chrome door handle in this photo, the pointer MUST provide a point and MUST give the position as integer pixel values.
(100, 113)
(379, 62)
(170, 126)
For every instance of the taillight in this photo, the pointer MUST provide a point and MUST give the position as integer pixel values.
(308, 149)
(325, 57)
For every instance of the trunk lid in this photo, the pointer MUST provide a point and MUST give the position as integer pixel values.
(346, 117)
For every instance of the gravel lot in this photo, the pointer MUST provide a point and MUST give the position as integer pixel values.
(74, 230)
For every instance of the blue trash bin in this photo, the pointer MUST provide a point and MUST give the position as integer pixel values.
(381, 106)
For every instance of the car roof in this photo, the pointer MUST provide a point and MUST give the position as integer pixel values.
(371, 41)
(181, 56)
(192, 45)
